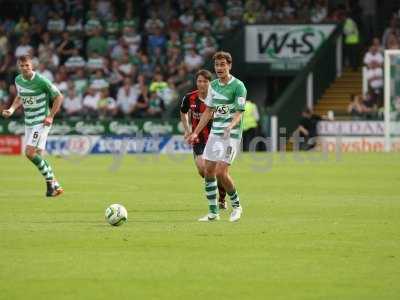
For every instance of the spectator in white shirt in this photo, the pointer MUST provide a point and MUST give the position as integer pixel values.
(187, 18)
(125, 66)
(374, 55)
(61, 83)
(23, 48)
(193, 60)
(375, 81)
(46, 73)
(91, 101)
(127, 97)
(72, 103)
(99, 81)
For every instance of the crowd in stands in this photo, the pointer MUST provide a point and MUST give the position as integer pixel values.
(118, 58)
(370, 105)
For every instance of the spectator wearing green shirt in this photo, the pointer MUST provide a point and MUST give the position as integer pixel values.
(97, 43)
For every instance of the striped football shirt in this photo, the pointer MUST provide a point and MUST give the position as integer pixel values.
(226, 100)
(35, 95)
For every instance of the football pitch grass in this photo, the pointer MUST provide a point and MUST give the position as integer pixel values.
(310, 230)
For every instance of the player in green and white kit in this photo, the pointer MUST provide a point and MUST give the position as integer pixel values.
(35, 93)
(225, 102)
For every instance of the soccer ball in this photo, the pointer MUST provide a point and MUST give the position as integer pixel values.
(116, 214)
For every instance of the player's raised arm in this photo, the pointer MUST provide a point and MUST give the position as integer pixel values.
(14, 106)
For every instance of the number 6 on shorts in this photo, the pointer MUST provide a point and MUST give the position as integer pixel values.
(37, 136)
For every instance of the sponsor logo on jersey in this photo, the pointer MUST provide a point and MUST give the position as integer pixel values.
(196, 115)
(30, 100)
(222, 109)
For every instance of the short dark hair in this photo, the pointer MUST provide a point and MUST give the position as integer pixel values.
(205, 73)
(24, 58)
(223, 55)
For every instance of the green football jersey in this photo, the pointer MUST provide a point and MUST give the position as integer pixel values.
(35, 95)
(226, 100)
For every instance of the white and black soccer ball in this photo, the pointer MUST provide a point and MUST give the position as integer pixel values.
(116, 214)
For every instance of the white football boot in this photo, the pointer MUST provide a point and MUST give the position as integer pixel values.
(236, 214)
(209, 217)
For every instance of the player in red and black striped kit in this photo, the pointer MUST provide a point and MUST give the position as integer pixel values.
(193, 105)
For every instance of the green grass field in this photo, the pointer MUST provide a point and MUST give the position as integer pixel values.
(310, 230)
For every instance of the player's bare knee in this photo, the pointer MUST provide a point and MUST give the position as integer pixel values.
(209, 169)
(221, 173)
(30, 152)
(209, 172)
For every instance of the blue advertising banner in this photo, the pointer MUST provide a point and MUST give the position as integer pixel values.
(81, 145)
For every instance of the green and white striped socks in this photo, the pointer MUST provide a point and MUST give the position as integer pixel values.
(211, 193)
(234, 198)
(43, 166)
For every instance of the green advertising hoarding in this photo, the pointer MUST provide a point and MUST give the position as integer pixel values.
(100, 127)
